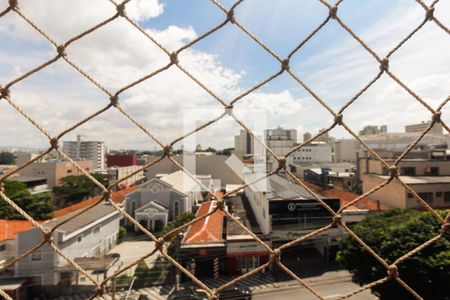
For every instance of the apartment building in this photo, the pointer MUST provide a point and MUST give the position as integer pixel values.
(87, 150)
(54, 170)
(132, 174)
(421, 127)
(314, 152)
(280, 141)
(430, 178)
(244, 144)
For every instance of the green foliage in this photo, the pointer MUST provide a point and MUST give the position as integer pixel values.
(146, 276)
(77, 188)
(392, 234)
(122, 234)
(7, 158)
(123, 280)
(226, 151)
(39, 206)
(178, 221)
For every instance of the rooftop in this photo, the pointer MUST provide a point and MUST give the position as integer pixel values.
(207, 230)
(419, 179)
(283, 189)
(91, 215)
(9, 228)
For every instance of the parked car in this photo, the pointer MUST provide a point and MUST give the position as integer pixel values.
(188, 294)
(235, 292)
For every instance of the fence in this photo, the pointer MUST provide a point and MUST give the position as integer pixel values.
(113, 98)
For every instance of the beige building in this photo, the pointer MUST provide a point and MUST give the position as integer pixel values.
(117, 173)
(24, 157)
(53, 171)
(407, 167)
(421, 127)
(427, 177)
(435, 190)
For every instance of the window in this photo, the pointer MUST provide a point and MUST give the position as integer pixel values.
(2, 248)
(447, 196)
(427, 197)
(431, 171)
(176, 209)
(408, 171)
(438, 194)
(69, 171)
(79, 239)
(37, 255)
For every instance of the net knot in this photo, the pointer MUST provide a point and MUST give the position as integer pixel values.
(429, 15)
(159, 243)
(285, 64)
(229, 109)
(384, 65)
(106, 195)
(13, 4)
(4, 92)
(48, 236)
(333, 12)
(121, 9)
(230, 16)
(337, 220)
(114, 100)
(174, 58)
(282, 163)
(437, 117)
(61, 50)
(393, 171)
(167, 150)
(276, 256)
(54, 143)
(393, 271)
(446, 228)
(220, 204)
(338, 119)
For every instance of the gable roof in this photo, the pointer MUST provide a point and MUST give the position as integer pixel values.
(206, 230)
(90, 216)
(182, 182)
(153, 204)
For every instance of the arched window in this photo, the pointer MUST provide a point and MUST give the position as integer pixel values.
(176, 209)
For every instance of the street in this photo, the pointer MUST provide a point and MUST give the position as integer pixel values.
(328, 289)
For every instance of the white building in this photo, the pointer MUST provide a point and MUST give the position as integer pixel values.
(280, 141)
(317, 152)
(160, 200)
(91, 234)
(345, 150)
(88, 150)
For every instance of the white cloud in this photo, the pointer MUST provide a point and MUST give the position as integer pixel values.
(141, 10)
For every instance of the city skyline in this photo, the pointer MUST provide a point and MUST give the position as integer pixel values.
(227, 61)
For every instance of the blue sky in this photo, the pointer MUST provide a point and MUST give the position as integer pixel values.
(228, 61)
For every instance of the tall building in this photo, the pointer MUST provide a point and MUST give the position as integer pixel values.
(244, 144)
(280, 141)
(306, 136)
(88, 150)
(437, 128)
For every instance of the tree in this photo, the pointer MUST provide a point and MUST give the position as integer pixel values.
(77, 188)
(7, 158)
(226, 151)
(178, 221)
(38, 206)
(122, 234)
(391, 234)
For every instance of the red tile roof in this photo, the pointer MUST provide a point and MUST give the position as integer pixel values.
(346, 197)
(117, 197)
(206, 230)
(9, 228)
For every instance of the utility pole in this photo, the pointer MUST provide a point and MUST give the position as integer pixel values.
(114, 288)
